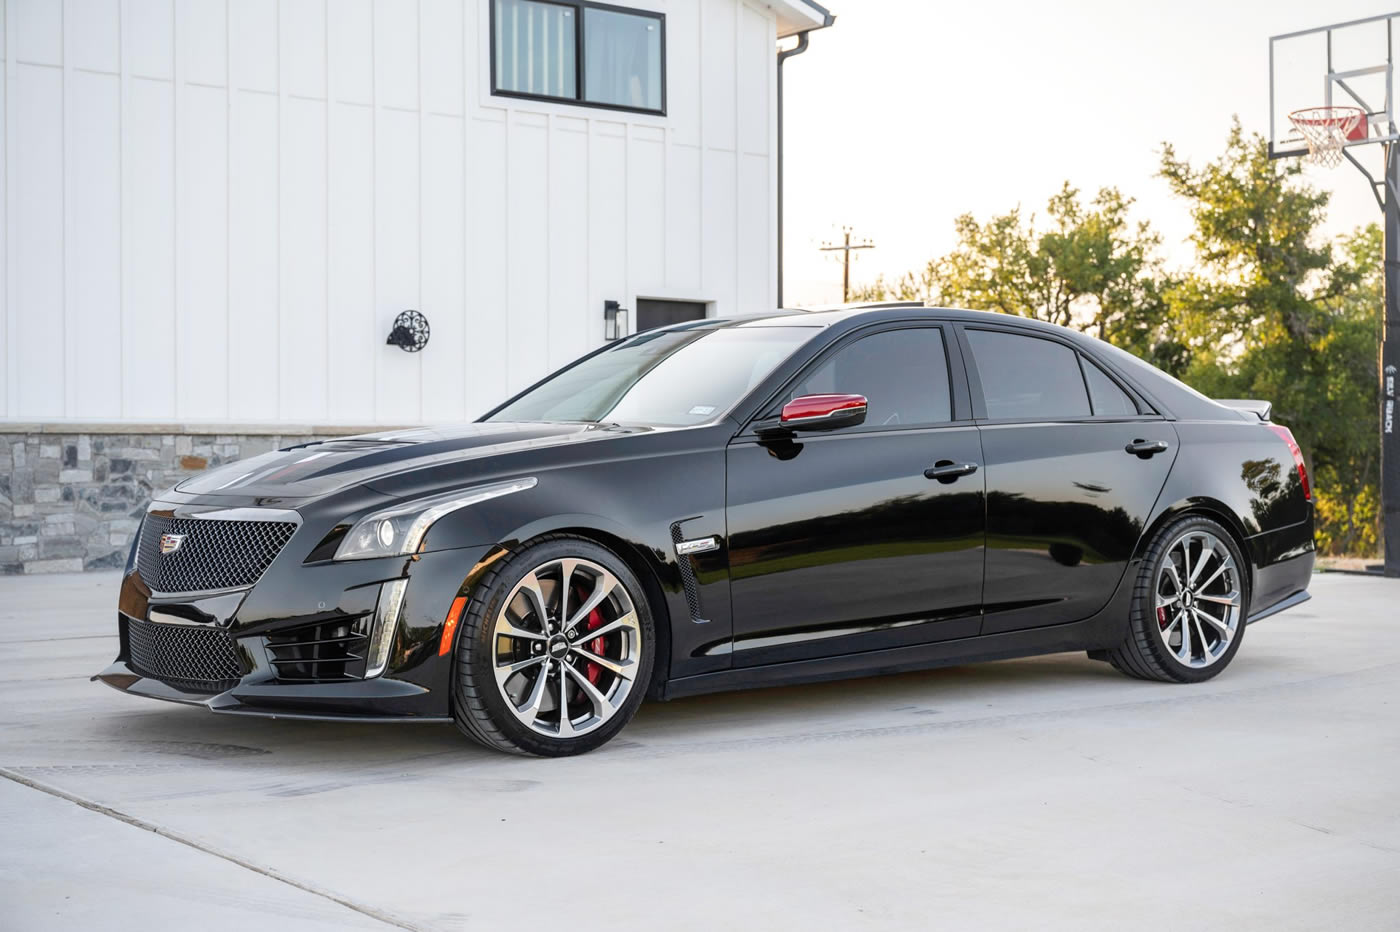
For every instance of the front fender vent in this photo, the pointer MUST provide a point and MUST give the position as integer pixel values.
(688, 580)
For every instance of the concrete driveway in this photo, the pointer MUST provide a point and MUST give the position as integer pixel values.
(1047, 793)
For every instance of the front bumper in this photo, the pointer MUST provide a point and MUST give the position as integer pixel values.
(359, 701)
(295, 596)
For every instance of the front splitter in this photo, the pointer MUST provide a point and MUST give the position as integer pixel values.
(275, 700)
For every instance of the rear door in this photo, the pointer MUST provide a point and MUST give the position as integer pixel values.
(838, 542)
(1074, 464)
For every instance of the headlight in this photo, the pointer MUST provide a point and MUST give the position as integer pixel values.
(399, 529)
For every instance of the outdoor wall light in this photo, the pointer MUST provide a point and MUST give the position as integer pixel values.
(410, 332)
(614, 321)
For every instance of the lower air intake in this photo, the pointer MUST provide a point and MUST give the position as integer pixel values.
(187, 657)
(330, 652)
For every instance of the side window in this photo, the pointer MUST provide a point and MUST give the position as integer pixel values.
(1027, 378)
(903, 375)
(1107, 398)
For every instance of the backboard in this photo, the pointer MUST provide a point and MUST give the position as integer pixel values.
(1348, 64)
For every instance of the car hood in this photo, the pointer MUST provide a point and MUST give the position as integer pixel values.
(317, 469)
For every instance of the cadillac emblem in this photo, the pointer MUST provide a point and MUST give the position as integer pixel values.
(169, 543)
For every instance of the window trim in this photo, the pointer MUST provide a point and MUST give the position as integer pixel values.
(979, 403)
(1084, 363)
(580, 83)
(959, 404)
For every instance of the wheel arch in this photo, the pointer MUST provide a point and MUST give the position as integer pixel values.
(643, 563)
(1205, 507)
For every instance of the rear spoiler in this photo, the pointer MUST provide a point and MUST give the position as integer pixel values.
(1264, 410)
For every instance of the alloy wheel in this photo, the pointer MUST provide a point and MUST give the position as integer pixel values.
(566, 646)
(1198, 598)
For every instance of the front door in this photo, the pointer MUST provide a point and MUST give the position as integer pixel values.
(837, 541)
(1066, 500)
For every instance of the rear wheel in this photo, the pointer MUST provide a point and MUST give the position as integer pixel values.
(1189, 604)
(556, 652)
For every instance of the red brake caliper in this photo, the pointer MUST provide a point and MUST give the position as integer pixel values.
(597, 646)
(595, 621)
(1162, 616)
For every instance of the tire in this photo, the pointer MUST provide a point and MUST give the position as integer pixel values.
(1212, 600)
(513, 633)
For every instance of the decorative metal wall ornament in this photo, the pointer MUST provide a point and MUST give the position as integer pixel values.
(410, 332)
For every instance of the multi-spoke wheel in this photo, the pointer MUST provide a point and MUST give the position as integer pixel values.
(1198, 598)
(557, 650)
(1189, 605)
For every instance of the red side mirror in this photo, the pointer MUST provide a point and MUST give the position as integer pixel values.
(824, 412)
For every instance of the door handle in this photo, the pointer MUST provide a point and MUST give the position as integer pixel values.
(946, 471)
(1146, 449)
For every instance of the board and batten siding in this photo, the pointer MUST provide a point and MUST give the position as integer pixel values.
(214, 210)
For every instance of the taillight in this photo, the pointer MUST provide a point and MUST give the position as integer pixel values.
(1297, 452)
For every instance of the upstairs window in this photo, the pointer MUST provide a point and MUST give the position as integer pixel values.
(581, 53)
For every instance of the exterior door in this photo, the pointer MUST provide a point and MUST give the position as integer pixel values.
(837, 541)
(1066, 501)
(653, 313)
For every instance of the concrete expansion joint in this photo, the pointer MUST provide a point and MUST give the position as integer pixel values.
(179, 837)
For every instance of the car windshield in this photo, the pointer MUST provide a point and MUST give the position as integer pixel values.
(672, 378)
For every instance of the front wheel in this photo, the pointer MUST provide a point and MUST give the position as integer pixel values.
(556, 650)
(1189, 604)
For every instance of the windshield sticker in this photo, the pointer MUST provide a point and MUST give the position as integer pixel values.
(702, 410)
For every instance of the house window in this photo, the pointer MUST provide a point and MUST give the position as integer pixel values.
(583, 53)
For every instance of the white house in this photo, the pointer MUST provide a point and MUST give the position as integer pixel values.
(214, 209)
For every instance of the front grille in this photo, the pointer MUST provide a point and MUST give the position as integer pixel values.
(331, 651)
(214, 554)
(185, 656)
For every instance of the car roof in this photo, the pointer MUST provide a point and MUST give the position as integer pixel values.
(888, 310)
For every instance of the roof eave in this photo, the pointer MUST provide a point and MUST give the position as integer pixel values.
(795, 16)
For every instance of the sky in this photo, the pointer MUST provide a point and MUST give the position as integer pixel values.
(907, 113)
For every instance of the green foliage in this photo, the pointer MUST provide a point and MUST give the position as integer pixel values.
(1274, 311)
(1086, 266)
(1269, 310)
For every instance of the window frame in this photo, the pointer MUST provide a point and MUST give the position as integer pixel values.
(1084, 363)
(958, 401)
(580, 43)
(979, 402)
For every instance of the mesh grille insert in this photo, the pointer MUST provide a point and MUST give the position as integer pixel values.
(187, 657)
(213, 554)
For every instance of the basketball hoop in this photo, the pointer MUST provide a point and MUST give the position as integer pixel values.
(1327, 130)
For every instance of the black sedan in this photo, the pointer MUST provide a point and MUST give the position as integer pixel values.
(724, 504)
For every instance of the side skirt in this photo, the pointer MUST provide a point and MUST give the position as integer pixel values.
(1297, 598)
(1102, 630)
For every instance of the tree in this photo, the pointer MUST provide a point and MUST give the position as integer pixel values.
(1274, 311)
(1090, 267)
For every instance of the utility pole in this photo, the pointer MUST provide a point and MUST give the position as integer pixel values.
(845, 247)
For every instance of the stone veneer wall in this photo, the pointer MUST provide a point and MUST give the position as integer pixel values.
(72, 495)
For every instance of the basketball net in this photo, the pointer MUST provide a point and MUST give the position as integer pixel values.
(1326, 130)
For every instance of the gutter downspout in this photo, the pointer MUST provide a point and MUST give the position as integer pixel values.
(783, 56)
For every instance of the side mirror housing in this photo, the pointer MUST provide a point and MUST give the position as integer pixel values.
(823, 412)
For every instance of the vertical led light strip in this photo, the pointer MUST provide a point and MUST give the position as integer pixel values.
(386, 622)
